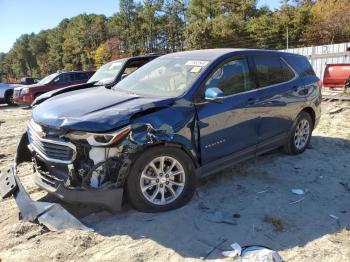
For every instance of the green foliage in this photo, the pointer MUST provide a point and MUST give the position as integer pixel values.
(87, 41)
(82, 37)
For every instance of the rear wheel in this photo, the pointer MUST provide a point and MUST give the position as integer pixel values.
(161, 179)
(300, 135)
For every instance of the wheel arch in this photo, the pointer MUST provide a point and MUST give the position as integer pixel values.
(8, 92)
(311, 112)
(193, 157)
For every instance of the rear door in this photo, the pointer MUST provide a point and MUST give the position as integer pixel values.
(231, 126)
(278, 100)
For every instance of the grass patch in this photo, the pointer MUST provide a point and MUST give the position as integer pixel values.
(278, 223)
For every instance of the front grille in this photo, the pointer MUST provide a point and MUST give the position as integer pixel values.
(52, 150)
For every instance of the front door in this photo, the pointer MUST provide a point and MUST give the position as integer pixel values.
(231, 126)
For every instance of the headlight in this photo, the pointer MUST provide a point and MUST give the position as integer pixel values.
(25, 90)
(100, 139)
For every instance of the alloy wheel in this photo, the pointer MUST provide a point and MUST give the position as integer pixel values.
(162, 180)
(302, 133)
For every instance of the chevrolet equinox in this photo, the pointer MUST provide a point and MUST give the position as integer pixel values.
(180, 117)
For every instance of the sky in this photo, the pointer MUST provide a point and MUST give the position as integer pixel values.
(19, 17)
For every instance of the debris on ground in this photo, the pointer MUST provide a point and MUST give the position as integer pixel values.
(252, 254)
(278, 222)
(221, 242)
(51, 215)
(336, 218)
(236, 215)
(264, 191)
(259, 254)
(219, 217)
(297, 201)
(298, 191)
(335, 110)
(346, 186)
(235, 252)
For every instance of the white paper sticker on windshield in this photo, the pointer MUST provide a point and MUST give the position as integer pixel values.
(116, 64)
(196, 69)
(197, 63)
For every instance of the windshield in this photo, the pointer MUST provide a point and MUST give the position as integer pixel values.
(47, 79)
(165, 76)
(107, 73)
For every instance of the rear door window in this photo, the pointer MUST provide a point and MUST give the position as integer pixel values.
(271, 70)
(232, 78)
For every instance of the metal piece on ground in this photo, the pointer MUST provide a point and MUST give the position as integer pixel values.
(52, 215)
(7, 183)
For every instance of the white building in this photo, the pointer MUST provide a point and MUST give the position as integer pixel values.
(319, 56)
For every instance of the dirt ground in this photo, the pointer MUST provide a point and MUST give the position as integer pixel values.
(250, 204)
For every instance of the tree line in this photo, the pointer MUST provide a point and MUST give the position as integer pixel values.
(87, 41)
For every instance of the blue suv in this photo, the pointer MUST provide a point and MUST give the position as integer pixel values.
(180, 117)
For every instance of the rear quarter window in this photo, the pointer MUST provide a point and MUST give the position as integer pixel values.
(271, 70)
(81, 76)
(300, 64)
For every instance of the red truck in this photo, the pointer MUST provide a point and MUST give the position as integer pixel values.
(335, 75)
(25, 95)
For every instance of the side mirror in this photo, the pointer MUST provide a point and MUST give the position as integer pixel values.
(214, 94)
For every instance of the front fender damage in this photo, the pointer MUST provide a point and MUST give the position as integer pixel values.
(170, 126)
(51, 215)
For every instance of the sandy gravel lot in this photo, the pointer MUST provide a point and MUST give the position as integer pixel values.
(249, 204)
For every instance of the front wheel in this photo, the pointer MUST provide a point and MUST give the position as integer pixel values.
(9, 99)
(161, 179)
(300, 135)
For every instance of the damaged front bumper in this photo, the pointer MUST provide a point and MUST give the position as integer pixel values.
(110, 198)
(54, 178)
(52, 215)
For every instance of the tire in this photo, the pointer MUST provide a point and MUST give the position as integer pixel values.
(142, 170)
(9, 98)
(299, 130)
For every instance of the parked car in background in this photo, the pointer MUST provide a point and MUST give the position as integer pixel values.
(335, 75)
(29, 80)
(180, 116)
(25, 95)
(6, 93)
(107, 75)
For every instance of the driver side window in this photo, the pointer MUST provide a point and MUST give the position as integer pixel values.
(232, 78)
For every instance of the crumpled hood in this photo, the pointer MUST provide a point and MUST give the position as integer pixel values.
(94, 109)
